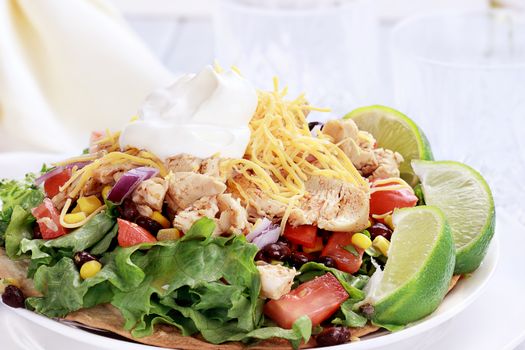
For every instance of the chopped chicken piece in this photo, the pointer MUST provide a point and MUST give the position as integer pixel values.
(151, 193)
(389, 162)
(261, 205)
(188, 163)
(144, 210)
(186, 187)
(110, 173)
(105, 175)
(276, 280)
(210, 166)
(357, 145)
(233, 217)
(183, 162)
(203, 207)
(332, 205)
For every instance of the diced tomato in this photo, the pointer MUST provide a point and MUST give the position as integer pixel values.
(382, 202)
(345, 260)
(318, 299)
(52, 185)
(130, 234)
(304, 235)
(48, 219)
(318, 246)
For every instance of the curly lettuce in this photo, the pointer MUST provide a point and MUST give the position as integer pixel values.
(199, 284)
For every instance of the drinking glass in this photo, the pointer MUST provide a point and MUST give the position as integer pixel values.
(326, 48)
(461, 77)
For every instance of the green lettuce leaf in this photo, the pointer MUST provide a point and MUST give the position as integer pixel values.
(189, 276)
(104, 244)
(63, 289)
(348, 317)
(17, 193)
(77, 240)
(20, 227)
(199, 283)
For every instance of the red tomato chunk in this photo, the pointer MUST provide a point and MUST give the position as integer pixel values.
(304, 235)
(52, 185)
(48, 219)
(345, 260)
(130, 234)
(382, 202)
(318, 299)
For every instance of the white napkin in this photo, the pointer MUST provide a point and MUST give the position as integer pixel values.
(68, 67)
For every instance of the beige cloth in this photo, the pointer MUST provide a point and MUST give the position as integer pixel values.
(68, 67)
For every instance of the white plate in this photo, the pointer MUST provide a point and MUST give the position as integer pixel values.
(466, 291)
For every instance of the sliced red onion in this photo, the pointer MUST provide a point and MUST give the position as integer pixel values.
(57, 170)
(79, 165)
(268, 237)
(41, 179)
(263, 226)
(129, 181)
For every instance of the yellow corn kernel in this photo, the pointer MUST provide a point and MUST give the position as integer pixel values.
(361, 240)
(90, 269)
(105, 191)
(161, 219)
(168, 234)
(368, 224)
(388, 221)
(11, 282)
(74, 218)
(89, 204)
(76, 210)
(382, 244)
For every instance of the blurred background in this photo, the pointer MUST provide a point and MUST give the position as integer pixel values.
(457, 67)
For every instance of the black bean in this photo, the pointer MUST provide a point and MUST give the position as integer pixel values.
(149, 224)
(326, 261)
(367, 310)
(298, 259)
(37, 234)
(312, 125)
(275, 251)
(80, 258)
(379, 229)
(128, 210)
(283, 241)
(333, 336)
(260, 256)
(13, 296)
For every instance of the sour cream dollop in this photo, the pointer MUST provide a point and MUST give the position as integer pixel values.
(200, 114)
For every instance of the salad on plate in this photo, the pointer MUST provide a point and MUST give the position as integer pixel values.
(221, 217)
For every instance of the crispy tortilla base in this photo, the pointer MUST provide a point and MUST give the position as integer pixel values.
(108, 318)
(18, 271)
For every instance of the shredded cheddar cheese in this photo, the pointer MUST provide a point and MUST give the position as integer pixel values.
(282, 154)
(80, 177)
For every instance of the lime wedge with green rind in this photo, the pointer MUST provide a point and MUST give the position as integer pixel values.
(395, 131)
(418, 270)
(465, 198)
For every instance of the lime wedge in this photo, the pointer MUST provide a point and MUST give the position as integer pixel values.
(418, 270)
(465, 198)
(395, 131)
